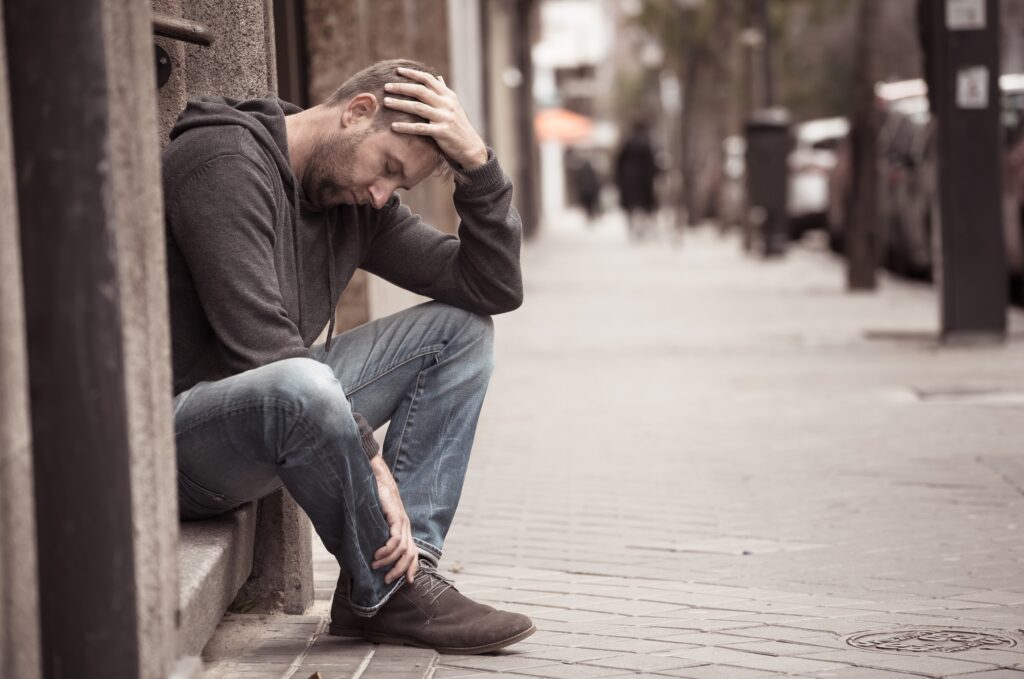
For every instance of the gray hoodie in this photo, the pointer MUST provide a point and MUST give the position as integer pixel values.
(255, 270)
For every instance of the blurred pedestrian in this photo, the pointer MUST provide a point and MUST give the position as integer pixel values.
(635, 171)
(588, 188)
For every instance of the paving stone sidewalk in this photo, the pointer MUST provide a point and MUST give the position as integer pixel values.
(694, 463)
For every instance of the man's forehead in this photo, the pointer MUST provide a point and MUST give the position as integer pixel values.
(417, 158)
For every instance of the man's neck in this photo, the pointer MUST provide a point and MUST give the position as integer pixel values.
(300, 129)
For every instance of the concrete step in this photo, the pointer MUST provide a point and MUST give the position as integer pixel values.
(214, 561)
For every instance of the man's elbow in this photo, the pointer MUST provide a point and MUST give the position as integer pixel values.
(515, 300)
(509, 300)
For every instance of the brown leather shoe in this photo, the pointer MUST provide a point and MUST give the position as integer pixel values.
(431, 613)
(344, 623)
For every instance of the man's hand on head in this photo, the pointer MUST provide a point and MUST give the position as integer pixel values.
(447, 122)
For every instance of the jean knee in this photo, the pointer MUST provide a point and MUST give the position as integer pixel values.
(483, 326)
(310, 390)
(480, 325)
(478, 331)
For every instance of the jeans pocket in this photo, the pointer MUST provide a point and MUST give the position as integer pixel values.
(197, 502)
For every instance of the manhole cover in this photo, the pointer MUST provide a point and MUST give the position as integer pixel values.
(929, 641)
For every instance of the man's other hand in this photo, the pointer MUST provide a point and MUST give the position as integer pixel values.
(447, 122)
(399, 550)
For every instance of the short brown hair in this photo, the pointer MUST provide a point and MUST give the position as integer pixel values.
(371, 80)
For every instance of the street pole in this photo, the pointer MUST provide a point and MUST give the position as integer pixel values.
(768, 146)
(526, 184)
(861, 257)
(961, 40)
(766, 62)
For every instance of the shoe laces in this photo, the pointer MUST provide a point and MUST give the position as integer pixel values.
(432, 583)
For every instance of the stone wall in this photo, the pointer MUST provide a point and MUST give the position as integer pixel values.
(137, 216)
(19, 621)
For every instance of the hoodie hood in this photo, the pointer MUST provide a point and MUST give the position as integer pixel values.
(264, 118)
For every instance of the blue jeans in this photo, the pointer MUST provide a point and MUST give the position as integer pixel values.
(425, 370)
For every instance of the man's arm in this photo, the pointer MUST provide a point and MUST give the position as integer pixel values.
(479, 270)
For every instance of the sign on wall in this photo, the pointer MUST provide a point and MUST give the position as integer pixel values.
(965, 15)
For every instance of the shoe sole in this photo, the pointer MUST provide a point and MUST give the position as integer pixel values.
(403, 641)
(349, 632)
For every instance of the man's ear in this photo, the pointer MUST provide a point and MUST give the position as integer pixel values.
(360, 107)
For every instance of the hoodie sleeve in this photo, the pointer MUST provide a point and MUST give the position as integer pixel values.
(478, 270)
(222, 220)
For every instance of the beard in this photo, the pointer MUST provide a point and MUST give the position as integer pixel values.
(329, 168)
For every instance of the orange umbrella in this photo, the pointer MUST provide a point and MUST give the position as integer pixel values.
(559, 124)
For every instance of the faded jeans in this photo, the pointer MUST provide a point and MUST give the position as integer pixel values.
(425, 370)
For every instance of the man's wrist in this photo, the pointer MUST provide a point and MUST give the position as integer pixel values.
(476, 159)
(379, 466)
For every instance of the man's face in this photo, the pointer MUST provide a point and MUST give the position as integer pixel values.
(363, 164)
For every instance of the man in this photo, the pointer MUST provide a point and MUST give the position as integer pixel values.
(270, 209)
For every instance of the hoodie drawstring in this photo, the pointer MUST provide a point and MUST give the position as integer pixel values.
(297, 252)
(296, 249)
(330, 281)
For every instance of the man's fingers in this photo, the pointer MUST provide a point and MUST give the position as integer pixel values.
(393, 542)
(400, 569)
(389, 553)
(410, 574)
(421, 92)
(391, 550)
(422, 77)
(408, 552)
(415, 128)
(415, 107)
(387, 560)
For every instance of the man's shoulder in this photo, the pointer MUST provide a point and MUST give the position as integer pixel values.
(199, 147)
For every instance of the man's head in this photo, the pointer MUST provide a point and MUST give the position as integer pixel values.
(356, 157)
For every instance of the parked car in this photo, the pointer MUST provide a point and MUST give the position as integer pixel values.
(906, 237)
(905, 186)
(811, 161)
(893, 101)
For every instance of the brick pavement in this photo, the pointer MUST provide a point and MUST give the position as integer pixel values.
(696, 464)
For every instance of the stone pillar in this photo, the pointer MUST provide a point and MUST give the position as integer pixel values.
(19, 621)
(137, 214)
(282, 568)
(172, 96)
(240, 63)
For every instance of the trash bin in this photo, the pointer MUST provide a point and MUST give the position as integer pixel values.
(768, 147)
